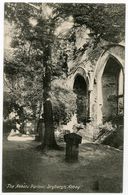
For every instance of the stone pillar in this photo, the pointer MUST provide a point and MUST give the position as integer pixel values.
(89, 119)
(72, 146)
(99, 101)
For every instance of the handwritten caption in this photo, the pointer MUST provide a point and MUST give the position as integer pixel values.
(43, 187)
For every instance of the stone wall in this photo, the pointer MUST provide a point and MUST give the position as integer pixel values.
(105, 101)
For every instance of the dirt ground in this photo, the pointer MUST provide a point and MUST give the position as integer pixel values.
(25, 169)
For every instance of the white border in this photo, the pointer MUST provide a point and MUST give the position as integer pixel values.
(125, 166)
(67, 1)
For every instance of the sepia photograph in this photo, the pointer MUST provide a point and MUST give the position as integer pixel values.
(63, 97)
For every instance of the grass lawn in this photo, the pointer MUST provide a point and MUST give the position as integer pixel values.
(25, 169)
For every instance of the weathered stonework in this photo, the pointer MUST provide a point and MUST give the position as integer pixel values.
(102, 68)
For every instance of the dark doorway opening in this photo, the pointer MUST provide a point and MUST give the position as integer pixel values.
(81, 90)
(112, 90)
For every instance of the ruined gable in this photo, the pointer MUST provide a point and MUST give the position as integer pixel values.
(101, 68)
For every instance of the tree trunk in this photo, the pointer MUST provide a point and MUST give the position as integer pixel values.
(40, 112)
(48, 141)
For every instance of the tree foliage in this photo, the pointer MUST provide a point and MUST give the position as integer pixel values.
(106, 21)
(32, 36)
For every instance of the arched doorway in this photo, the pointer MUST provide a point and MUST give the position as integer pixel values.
(112, 90)
(81, 90)
(109, 67)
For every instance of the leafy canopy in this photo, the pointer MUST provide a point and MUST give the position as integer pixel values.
(32, 34)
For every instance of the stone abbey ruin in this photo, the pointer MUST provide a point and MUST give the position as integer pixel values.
(96, 76)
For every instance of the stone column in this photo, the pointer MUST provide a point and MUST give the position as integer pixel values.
(89, 119)
(99, 101)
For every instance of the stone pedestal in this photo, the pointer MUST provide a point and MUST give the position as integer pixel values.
(72, 146)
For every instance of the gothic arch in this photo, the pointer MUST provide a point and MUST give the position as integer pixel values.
(81, 71)
(116, 53)
(81, 76)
